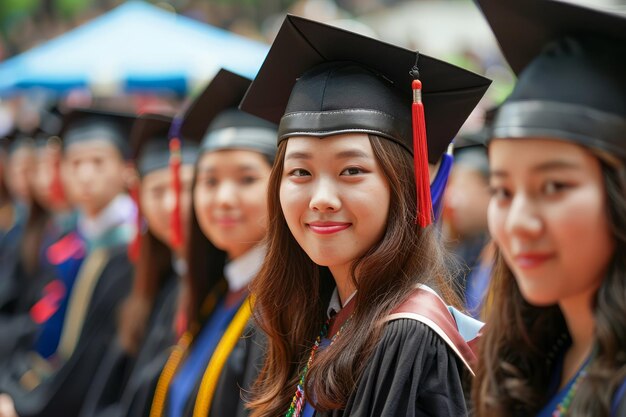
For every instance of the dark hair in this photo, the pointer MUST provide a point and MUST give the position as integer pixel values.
(205, 265)
(152, 269)
(517, 348)
(292, 293)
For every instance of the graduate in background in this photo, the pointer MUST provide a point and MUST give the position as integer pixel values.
(94, 273)
(18, 161)
(125, 381)
(218, 357)
(465, 217)
(555, 342)
(353, 328)
(50, 217)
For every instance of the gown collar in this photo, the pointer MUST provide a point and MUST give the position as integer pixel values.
(239, 272)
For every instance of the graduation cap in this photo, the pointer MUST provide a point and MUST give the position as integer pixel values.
(86, 124)
(17, 139)
(215, 120)
(570, 61)
(318, 80)
(150, 144)
(150, 147)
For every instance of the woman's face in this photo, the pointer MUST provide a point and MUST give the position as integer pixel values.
(334, 196)
(549, 217)
(230, 199)
(20, 172)
(45, 173)
(94, 173)
(157, 200)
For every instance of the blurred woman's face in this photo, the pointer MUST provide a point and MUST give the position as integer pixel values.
(157, 200)
(230, 199)
(94, 172)
(548, 215)
(20, 171)
(43, 181)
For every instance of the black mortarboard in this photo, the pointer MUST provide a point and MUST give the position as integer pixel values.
(81, 125)
(319, 80)
(571, 62)
(215, 119)
(150, 144)
(17, 139)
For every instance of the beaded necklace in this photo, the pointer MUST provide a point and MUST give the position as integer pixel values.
(297, 403)
(563, 407)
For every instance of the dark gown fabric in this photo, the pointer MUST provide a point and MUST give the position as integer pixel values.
(17, 325)
(239, 373)
(123, 385)
(10, 243)
(412, 373)
(62, 392)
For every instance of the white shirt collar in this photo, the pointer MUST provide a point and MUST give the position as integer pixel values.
(239, 272)
(335, 306)
(120, 210)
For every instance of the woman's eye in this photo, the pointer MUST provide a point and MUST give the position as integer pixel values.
(210, 182)
(299, 172)
(553, 187)
(499, 193)
(352, 171)
(248, 180)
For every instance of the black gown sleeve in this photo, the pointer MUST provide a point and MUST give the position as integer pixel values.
(136, 399)
(108, 384)
(63, 392)
(412, 373)
(119, 382)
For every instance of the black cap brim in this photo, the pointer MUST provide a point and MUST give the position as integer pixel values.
(449, 93)
(524, 27)
(223, 92)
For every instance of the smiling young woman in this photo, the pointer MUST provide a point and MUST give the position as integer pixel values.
(555, 341)
(345, 252)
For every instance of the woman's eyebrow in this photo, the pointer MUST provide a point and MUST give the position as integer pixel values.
(555, 165)
(298, 155)
(352, 153)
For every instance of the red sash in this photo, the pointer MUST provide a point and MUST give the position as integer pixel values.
(425, 306)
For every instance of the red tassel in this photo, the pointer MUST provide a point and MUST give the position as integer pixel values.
(420, 158)
(176, 224)
(57, 194)
(135, 246)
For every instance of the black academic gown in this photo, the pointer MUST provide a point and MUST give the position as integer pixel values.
(62, 393)
(18, 328)
(240, 371)
(123, 385)
(412, 373)
(10, 246)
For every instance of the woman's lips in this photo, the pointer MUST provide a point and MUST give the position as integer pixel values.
(226, 221)
(328, 228)
(532, 260)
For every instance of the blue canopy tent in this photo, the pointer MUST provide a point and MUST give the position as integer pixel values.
(133, 48)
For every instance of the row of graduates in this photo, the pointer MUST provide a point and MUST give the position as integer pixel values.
(310, 288)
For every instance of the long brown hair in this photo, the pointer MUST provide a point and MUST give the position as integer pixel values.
(153, 268)
(292, 293)
(520, 340)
